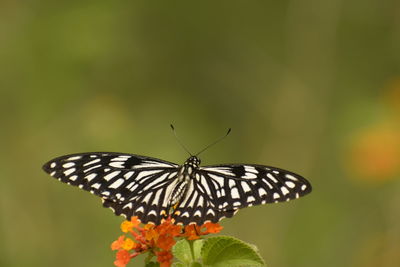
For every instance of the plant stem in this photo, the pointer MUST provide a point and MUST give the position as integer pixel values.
(192, 249)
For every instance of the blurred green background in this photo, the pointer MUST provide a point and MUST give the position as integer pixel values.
(310, 86)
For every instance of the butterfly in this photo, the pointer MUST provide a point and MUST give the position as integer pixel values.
(153, 189)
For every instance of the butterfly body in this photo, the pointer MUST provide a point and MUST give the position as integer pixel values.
(153, 189)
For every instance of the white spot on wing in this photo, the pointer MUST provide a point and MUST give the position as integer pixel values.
(129, 206)
(235, 193)
(128, 175)
(53, 164)
(210, 211)
(73, 177)
(117, 183)
(74, 158)
(146, 173)
(91, 168)
(284, 190)
(291, 177)
(117, 164)
(262, 192)
(140, 209)
(303, 187)
(91, 162)
(152, 212)
(250, 172)
(290, 184)
(218, 179)
(90, 176)
(272, 178)
(245, 187)
(222, 170)
(147, 198)
(111, 175)
(68, 165)
(250, 199)
(276, 196)
(96, 185)
(69, 171)
(120, 158)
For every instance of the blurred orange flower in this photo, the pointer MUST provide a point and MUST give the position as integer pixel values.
(375, 153)
(155, 239)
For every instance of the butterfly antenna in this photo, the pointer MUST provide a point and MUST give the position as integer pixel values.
(215, 142)
(179, 141)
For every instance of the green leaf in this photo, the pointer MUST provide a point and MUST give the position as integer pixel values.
(188, 252)
(178, 264)
(181, 250)
(225, 251)
(197, 246)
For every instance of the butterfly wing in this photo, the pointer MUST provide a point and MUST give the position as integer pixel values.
(241, 185)
(219, 191)
(131, 185)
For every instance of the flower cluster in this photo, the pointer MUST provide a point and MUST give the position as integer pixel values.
(158, 240)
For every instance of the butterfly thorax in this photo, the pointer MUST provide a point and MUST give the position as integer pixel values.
(183, 180)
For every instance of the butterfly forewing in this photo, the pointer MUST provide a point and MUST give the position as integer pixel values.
(216, 192)
(241, 185)
(126, 182)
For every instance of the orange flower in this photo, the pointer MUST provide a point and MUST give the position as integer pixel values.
(158, 240)
(168, 227)
(117, 244)
(375, 153)
(212, 228)
(123, 257)
(164, 258)
(192, 232)
(128, 244)
(128, 226)
(165, 242)
(151, 234)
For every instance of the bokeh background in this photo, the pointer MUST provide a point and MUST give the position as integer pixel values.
(310, 86)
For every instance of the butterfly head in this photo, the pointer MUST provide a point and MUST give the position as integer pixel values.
(193, 161)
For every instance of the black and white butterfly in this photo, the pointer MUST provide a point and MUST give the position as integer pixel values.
(153, 189)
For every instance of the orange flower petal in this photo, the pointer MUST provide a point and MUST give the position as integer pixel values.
(151, 235)
(123, 257)
(192, 232)
(164, 258)
(126, 226)
(212, 228)
(128, 244)
(135, 221)
(118, 243)
(165, 242)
